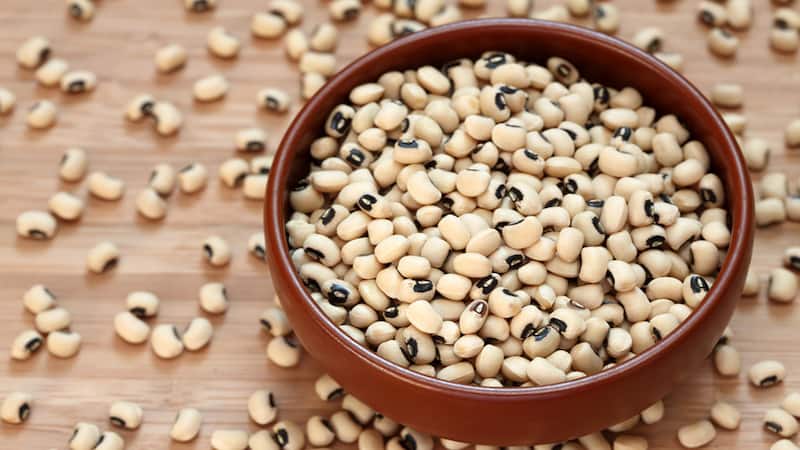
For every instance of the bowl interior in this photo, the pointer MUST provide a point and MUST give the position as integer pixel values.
(599, 59)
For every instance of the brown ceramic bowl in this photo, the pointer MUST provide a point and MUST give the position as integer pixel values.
(514, 416)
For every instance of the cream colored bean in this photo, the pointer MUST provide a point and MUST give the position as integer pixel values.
(226, 439)
(782, 285)
(170, 58)
(198, 334)
(766, 373)
(25, 345)
(102, 257)
(33, 52)
(696, 434)
(63, 344)
(187, 425)
(722, 43)
(168, 118)
(140, 107)
(725, 415)
(51, 72)
(130, 328)
(210, 88)
(42, 114)
(66, 206)
(78, 81)
(166, 341)
(223, 44)
(85, 436)
(127, 415)
(780, 422)
(284, 352)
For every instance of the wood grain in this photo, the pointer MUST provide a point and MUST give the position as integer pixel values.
(165, 257)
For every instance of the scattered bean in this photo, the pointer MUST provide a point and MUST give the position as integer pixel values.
(127, 415)
(42, 114)
(102, 257)
(262, 408)
(85, 436)
(51, 72)
(213, 298)
(7, 101)
(63, 344)
(192, 178)
(782, 286)
(229, 440)
(198, 334)
(170, 58)
(37, 225)
(16, 407)
(222, 44)
(150, 204)
(780, 422)
(79, 81)
(696, 434)
(25, 345)
(725, 415)
(166, 341)
(273, 99)
(162, 179)
(210, 88)
(33, 52)
(187, 425)
(284, 352)
(766, 373)
(130, 328)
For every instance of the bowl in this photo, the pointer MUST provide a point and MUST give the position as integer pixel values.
(515, 416)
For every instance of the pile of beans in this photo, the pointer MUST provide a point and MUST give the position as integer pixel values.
(506, 223)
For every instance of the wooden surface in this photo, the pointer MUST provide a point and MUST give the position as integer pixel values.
(165, 256)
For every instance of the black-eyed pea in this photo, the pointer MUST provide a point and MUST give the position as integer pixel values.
(261, 407)
(166, 341)
(712, 14)
(229, 439)
(722, 43)
(127, 415)
(784, 444)
(7, 101)
(284, 352)
(216, 251)
(618, 342)
(262, 440)
(85, 436)
(78, 81)
(42, 114)
(782, 285)
(130, 328)
(33, 52)
(105, 186)
(16, 407)
(460, 373)
(523, 233)
(344, 10)
(641, 337)
(25, 345)
(727, 360)
(150, 204)
(505, 303)
(254, 187)
(102, 257)
(170, 58)
(213, 298)
(82, 10)
(663, 324)
(780, 422)
(110, 440)
(63, 344)
(51, 72)
(766, 373)
(66, 206)
(267, 25)
(38, 298)
(725, 415)
(696, 434)
(649, 39)
(198, 334)
(543, 372)
(585, 359)
(186, 425)
(73, 165)
(770, 211)
(210, 88)
(319, 431)
(222, 44)
(168, 118)
(316, 62)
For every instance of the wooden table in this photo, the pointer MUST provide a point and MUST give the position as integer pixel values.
(165, 257)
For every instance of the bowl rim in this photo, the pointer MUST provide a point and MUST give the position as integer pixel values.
(741, 223)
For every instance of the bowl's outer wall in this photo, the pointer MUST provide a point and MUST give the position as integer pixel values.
(532, 415)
